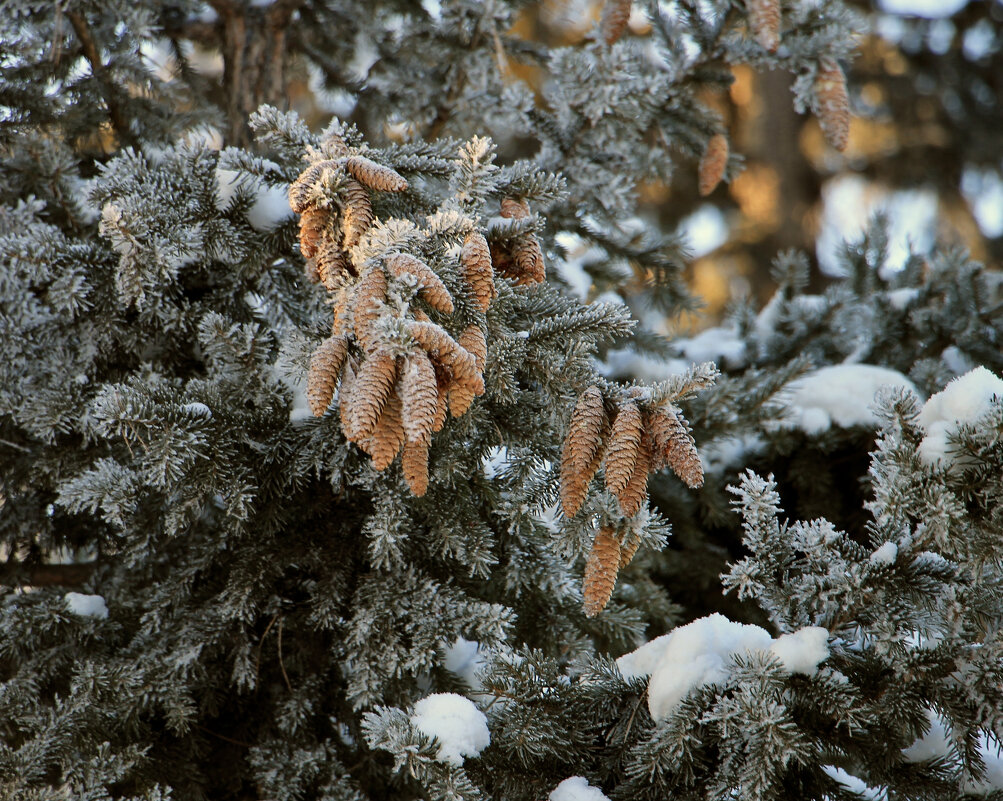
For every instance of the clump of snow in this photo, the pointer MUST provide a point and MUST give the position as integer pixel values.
(802, 650)
(901, 299)
(840, 395)
(854, 784)
(701, 652)
(885, 555)
(626, 362)
(642, 661)
(464, 659)
(963, 401)
(721, 344)
(577, 788)
(936, 743)
(86, 605)
(459, 726)
(197, 409)
(271, 204)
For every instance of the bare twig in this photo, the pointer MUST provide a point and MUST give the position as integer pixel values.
(282, 664)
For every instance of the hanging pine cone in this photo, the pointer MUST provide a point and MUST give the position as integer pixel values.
(713, 164)
(631, 542)
(414, 460)
(368, 305)
(325, 366)
(673, 444)
(420, 396)
(332, 265)
(373, 385)
(313, 221)
(601, 570)
(633, 495)
(345, 392)
(472, 340)
(529, 261)
(357, 213)
(615, 14)
(582, 443)
(764, 21)
(832, 103)
(624, 441)
(475, 269)
(388, 436)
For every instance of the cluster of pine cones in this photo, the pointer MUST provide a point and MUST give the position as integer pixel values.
(397, 373)
(635, 443)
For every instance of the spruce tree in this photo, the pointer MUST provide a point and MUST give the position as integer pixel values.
(345, 461)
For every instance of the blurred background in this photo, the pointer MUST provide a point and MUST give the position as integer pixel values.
(925, 147)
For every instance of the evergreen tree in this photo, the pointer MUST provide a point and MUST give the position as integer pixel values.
(332, 469)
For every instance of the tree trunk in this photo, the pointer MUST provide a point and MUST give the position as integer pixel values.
(254, 60)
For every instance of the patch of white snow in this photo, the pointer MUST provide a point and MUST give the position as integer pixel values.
(962, 402)
(885, 555)
(701, 652)
(86, 605)
(840, 395)
(577, 788)
(459, 726)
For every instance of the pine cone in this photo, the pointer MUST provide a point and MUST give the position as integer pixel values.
(420, 397)
(430, 286)
(472, 340)
(414, 460)
(764, 21)
(332, 265)
(582, 443)
(325, 365)
(372, 389)
(475, 268)
(310, 271)
(600, 571)
(833, 103)
(368, 305)
(302, 193)
(513, 209)
(673, 444)
(374, 175)
(388, 436)
(615, 14)
(629, 546)
(624, 441)
(357, 213)
(633, 495)
(713, 164)
(345, 402)
(444, 349)
(460, 397)
(529, 261)
(313, 221)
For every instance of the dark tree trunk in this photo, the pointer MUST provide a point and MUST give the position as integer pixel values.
(254, 60)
